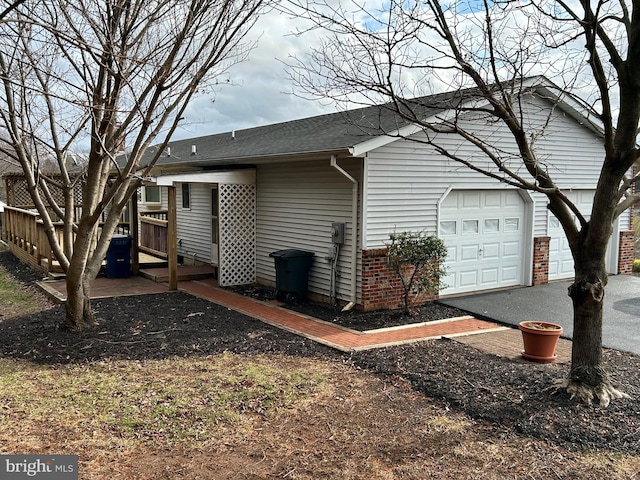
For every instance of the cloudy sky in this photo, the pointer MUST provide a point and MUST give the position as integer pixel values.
(260, 93)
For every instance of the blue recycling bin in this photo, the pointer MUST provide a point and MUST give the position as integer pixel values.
(119, 257)
(292, 274)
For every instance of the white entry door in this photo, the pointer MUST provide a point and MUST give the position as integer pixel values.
(484, 231)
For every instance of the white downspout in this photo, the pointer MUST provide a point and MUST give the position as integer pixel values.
(354, 230)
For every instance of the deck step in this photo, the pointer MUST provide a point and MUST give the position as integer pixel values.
(161, 275)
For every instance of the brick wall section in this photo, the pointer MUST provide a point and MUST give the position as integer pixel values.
(626, 252)
(633, 189)
(381, 287)
(541, 260)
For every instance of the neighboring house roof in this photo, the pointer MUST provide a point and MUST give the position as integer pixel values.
(351, 132)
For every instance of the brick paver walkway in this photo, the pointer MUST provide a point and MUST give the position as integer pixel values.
(341, 338)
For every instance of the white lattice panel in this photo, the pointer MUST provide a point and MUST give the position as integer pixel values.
(20, 194)
(237, 216)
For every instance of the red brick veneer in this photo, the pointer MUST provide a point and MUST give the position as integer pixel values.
(381, 287)
(626, 252)
(541, 260)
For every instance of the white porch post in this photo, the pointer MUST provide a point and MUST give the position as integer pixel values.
(172, 239)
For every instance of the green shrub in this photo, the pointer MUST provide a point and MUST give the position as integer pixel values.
(417, 258)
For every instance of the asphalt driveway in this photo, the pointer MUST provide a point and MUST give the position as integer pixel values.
(621, 328)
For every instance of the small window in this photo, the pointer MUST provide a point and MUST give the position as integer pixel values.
(511, 224)
(151, 194)
(470, 226)
(491, 225)
(186, 195)
(448, 227)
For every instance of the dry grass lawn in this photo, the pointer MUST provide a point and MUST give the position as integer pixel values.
(232, 416)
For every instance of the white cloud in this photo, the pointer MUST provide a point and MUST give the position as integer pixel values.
(259, 92)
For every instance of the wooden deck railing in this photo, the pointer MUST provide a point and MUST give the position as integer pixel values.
(77, 212)
(25, 235)
(153, 233)
(26, 238)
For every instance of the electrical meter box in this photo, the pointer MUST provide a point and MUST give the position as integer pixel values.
(337, 232)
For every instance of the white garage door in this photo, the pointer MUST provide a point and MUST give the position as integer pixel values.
(560, 258)
(485, 235)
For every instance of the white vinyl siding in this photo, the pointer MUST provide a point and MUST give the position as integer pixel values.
(404, 180)
(194, 224)
(404, 183)
(296, 205)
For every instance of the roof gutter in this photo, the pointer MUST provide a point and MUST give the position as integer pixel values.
(354, 230)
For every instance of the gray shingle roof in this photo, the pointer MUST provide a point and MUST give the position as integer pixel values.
(329, 133)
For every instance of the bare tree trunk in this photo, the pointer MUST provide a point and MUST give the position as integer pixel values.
(79, 315)
(78, 312)
(587, 378)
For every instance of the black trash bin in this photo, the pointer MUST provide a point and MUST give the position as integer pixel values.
(292, 274)
(119, 257)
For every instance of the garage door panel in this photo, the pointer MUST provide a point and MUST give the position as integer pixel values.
(567, 268)
(471, 200)
(493, 199)
(511, 249)
(469, 252)
(490, 250)
(511, 273)
(468, 278)
(484, 236)
(450, 280)
(452, 255)
(491, 225)
(470, 227)
(511, 224)
(489, 276)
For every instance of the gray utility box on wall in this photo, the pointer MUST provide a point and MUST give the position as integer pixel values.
(292, 274)
(337, 232)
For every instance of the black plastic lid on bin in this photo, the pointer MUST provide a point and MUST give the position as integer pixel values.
(291, 253)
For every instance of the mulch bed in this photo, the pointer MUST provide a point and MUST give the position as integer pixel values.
(513, 397)
(355, 319)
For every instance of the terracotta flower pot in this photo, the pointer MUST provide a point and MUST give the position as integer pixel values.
(540, 340)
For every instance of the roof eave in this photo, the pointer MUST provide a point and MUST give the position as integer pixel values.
(255, 159)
